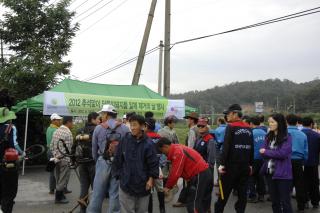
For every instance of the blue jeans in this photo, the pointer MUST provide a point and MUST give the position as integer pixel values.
(104, 183)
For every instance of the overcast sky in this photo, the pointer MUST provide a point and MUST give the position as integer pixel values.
(289, 49)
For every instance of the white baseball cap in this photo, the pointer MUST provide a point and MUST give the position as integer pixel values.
(108, 108)
(55, 116)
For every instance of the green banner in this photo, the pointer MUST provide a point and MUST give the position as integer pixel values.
(82, 104)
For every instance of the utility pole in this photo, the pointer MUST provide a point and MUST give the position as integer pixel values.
(144, 44)
(166, 89)
(160, 67)
(212, 114)
(1, 47)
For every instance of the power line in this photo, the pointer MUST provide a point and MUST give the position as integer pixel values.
(275, 20)
(95, 10)
(120, 65)
(80, 5)
(89, 8)
(103, 17)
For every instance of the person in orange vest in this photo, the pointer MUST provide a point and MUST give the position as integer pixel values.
(188, 164)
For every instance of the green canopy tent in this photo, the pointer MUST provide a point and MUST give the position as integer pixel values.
(35, 104)
(75, 86)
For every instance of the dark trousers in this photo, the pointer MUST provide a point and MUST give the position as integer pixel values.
(236, 178)
(280, 191)
(183, 194)
(52, 179)
(199, 192)
(298, 183)
(311, 177)
(256, 181)
(8, 189)
(86, 172)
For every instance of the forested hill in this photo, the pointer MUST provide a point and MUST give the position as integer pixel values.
(305, 96)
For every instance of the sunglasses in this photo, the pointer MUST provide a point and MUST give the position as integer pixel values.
(201, 126)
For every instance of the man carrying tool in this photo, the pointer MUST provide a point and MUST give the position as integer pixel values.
(188, 164)
(236, 160)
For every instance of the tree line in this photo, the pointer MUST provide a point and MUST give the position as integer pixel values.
(279, 95)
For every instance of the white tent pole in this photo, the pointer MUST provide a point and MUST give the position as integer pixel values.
(25, 139)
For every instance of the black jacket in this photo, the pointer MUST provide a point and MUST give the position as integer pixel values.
(135, 161)
(238, 145)
(83, 149)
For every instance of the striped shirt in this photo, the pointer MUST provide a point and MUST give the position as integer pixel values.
(63, 133)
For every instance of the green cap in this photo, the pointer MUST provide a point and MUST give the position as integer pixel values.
(6, 115)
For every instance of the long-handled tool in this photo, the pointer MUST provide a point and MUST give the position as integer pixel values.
(220, 188)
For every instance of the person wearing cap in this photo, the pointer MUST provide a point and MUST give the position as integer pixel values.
(205, 143)
(8, 177)
(236, 160)
(188, 164)
(124, 119)
(62, 141)
(192, 120)
(104, 181)
(193, 133)
(150, 132)
(55, 124)
(168, 130)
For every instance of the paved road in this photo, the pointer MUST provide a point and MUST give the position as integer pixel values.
(33, 197)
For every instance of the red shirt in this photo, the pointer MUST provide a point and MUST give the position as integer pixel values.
(186, 163)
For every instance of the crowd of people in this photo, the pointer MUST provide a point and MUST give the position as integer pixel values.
(125, 160)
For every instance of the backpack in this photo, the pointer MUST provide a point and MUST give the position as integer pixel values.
(10, 156)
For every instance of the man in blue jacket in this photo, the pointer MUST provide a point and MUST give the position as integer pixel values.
(137, 165)
(311, 171)
(256, 181)
(299, 156)
(102, 142)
